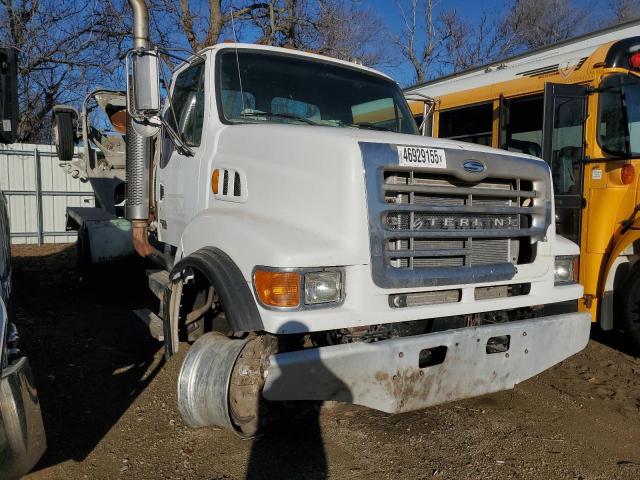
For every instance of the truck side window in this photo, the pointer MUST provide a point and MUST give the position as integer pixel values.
(524, 125)
(188, 104)
(469, 124)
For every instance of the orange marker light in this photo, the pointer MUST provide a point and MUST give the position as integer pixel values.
(627, 174)
(215, 181)
(278, 289)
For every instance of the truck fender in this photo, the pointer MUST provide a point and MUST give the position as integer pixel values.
(235, 295)
(619, 264)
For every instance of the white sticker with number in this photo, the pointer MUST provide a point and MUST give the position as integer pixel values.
(422, 157)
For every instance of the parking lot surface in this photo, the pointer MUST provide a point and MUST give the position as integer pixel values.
(108, 402)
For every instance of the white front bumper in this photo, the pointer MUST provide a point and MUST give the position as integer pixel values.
(386, 375)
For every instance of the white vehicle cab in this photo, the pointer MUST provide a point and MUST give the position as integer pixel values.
(312, 246)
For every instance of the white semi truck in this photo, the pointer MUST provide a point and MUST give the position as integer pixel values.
(311, 246)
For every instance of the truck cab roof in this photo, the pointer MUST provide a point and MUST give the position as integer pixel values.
(292, 52)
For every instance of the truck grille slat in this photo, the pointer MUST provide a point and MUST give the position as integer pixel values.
(391, 187)
(464, 209)
(399, 234)
(428, 253)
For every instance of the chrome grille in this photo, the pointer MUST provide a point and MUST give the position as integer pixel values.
(446, 226)
(416, 192)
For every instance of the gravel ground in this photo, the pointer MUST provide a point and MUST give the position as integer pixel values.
(108, 402)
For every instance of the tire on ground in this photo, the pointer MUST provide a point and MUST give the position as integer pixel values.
(629, 308)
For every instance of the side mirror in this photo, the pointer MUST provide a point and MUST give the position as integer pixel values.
(8, 95)
(143, 90)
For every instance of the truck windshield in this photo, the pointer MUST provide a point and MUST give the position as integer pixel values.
(266, 87)
(619, 119)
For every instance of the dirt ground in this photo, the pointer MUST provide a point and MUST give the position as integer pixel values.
(108, 402)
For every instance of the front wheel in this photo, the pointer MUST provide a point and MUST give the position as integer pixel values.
(629, 308)
(221, 383)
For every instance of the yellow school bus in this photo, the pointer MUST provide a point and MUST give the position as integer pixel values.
(576, 105)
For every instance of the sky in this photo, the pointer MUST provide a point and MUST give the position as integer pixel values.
(388, 11)
(389, 15)
(472, 10)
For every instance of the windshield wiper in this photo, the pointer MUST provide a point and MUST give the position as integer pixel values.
(289, 116)
(370, 126)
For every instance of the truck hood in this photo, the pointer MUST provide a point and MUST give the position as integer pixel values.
(304, 191)
(365, 135)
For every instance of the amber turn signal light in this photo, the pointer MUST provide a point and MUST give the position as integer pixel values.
(627, 174)
(215, 181)
(278, 289)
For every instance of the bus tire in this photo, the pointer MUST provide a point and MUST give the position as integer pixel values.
(629, 308)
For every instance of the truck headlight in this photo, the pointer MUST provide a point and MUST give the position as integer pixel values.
(566, 270)
(298, 288)
(322, 287)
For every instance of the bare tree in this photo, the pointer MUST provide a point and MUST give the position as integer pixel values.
(534, 24)
(347, 31)
(523, 25)
(420, 41)
(468, 45)
(624, 10)
(62, 48)
(201, 23)
(283, 23)
(341, 29)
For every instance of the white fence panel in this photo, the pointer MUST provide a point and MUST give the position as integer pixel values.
(38, 192)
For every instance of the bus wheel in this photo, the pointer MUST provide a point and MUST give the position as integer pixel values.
(629, 311)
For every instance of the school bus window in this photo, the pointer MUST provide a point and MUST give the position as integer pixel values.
(619, 116)
(469, 124)
(568, 145)
(524, 125)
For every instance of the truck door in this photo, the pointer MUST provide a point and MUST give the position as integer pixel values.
(177, 176)
(565, 110)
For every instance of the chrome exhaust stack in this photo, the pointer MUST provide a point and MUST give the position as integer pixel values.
(139, 158)
(138, 147)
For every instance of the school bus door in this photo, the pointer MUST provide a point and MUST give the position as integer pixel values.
(563, 148)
